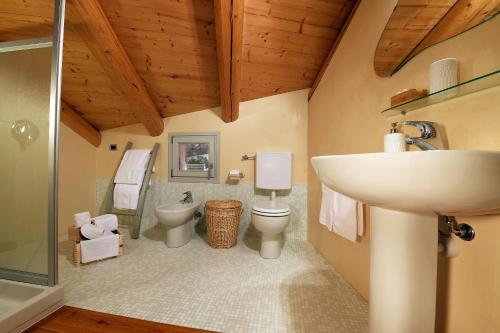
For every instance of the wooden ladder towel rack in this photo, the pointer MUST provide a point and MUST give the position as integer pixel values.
(134, 214)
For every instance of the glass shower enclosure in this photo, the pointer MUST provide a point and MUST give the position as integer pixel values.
(30, 85)
(26, 253)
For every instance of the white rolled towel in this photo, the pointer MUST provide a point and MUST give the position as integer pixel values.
(91, 231)
(108, 222)
(81, 219)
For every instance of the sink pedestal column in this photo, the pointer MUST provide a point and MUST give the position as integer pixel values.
(403, 271)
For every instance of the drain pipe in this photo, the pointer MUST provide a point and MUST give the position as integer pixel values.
(449, 246)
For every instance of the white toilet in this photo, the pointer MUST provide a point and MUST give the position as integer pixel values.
(273, 172)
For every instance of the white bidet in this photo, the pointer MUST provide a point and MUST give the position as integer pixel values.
(178, 218)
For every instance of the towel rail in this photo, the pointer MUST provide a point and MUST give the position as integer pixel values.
(136, 214)
(247, 158)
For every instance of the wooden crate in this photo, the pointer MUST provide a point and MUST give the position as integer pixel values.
(407, 95)
(75, 236)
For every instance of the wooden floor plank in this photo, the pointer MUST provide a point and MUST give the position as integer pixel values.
(75, 320)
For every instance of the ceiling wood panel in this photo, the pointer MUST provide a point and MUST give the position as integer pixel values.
(286, 42)
(91, 22)
(172, 46)
(85, 86)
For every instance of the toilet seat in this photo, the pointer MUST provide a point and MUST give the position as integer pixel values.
(268, 208)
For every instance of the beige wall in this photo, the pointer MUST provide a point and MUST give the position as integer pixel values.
(344, 117)
(77, 174)
(273, 123)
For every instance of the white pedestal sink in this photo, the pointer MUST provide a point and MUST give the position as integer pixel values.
(406, 193)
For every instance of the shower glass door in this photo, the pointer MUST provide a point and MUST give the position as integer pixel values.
(24, 133)
(29, 116)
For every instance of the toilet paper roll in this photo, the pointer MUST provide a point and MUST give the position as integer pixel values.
(235, 174)
(443, 74)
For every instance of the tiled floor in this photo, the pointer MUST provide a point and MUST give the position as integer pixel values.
(231, 290)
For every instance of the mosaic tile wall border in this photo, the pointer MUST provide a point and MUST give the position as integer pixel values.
(162, 191)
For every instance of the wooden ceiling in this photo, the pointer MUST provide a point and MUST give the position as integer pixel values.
(172, 47)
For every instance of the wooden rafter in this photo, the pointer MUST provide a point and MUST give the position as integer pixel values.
(335, 45)
(173, 47)
(236, 53)
(74, 121)
(222, 10)
(93, 26)
(229, 34)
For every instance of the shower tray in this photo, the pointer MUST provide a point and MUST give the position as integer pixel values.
(22, 304)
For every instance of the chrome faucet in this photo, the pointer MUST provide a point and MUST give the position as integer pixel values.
(427, 131)
(188, 197)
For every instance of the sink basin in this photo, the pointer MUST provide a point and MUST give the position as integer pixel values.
(445, 182)
(406, 192)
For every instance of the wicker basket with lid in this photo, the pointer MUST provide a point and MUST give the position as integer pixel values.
(223, 221)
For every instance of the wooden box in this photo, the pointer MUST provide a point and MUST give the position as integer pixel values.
(407, 95)
(75, 236)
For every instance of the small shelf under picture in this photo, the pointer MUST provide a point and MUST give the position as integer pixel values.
(483, 82)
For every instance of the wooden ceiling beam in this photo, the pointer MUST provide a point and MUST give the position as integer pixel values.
(79, 125)
(236, 54)
(333, 49)
(223, 36)
(94, 28)
(229, 35)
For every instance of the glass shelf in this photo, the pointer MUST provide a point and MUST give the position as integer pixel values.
(477, 84)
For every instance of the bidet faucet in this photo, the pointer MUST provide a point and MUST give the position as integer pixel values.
(188, 197)
(427, 131)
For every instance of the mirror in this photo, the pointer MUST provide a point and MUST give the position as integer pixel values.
(418, 24)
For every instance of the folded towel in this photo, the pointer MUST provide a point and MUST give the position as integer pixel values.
(91, 231)
(100, 248)
(108, 222)
(81, 219)
(341, 214)
(126, 196)
(132, 167)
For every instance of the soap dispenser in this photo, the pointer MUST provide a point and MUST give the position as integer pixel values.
(394, 142)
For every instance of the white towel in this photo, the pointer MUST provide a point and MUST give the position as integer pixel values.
(126, 196)
(108, 222)
(341, 214)
(91, 231)
(81, 219)
(133, 166)
(100, 248)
